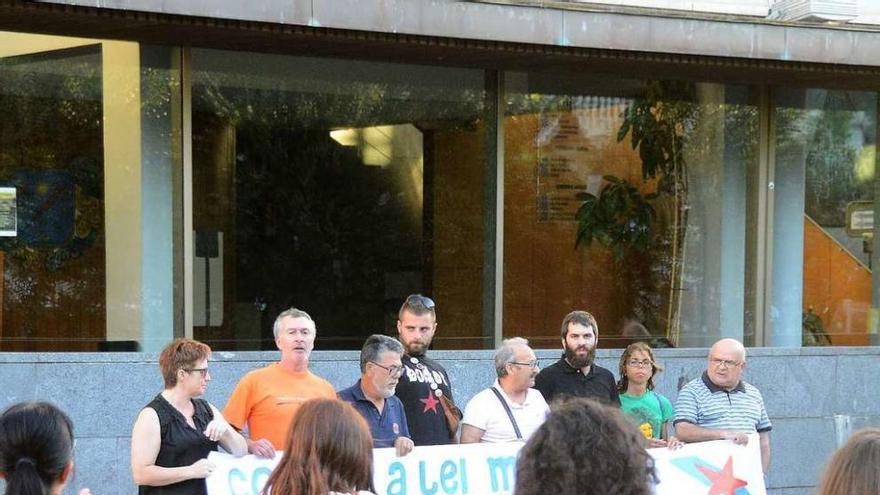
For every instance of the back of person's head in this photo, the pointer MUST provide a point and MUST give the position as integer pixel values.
(36, 448)
(632, 329)
(584, 448)
(855, 468)
(329, 448)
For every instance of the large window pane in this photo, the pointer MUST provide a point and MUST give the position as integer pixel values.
(658, 170)
(87, 167)
(338, 187)
(825, 166)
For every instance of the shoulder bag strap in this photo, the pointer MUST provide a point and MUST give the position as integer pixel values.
(509, 413)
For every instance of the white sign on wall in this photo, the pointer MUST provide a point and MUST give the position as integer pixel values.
(8, 212)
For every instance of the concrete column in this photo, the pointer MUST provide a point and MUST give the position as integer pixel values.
(789, 186)
(732, 262)
(714, 252)
(160, 141)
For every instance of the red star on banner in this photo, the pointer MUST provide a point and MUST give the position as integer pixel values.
(430, 403)
(723, 482)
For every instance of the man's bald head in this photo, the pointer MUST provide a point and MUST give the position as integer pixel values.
(726, 361)
(728, 346)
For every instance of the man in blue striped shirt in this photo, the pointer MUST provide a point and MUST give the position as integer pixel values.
(720, 406)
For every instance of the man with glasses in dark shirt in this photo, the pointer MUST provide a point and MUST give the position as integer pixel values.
(373, 395)
(576, 374)
(424, 388)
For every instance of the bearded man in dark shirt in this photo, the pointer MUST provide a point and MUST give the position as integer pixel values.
(424, 388)
(576, 374)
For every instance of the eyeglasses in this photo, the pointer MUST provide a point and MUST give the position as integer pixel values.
(635, 363)
(419, 300)
(727, 363)
(201, 371)
(392, 370)
(530, 364)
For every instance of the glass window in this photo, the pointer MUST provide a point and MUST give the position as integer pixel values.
(825, 181)
(628, 199)
(87, 181)
(338, 187)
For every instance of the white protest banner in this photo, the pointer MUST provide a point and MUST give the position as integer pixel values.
(485, 468)
(239, 475)
(709, 468)
(434, 470)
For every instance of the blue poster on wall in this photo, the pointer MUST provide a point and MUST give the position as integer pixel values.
(46, 207)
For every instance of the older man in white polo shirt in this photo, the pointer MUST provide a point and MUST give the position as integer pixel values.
(720, 406)
(510, 410)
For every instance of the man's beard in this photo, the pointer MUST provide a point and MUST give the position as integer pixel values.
(416, 349)
(578, 361)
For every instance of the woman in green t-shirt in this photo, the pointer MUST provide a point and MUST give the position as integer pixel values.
(650, 411)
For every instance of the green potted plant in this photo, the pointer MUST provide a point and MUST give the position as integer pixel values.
(619, 218)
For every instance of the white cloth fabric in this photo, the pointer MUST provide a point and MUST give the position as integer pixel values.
(484, 411)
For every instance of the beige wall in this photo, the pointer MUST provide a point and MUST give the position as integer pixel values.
(122, 189)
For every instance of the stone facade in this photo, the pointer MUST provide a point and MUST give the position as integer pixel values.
(815, 397)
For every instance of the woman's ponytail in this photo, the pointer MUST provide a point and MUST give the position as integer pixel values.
(36, 446)
(25, 479)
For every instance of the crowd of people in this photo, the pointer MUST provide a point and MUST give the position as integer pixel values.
(571, 410)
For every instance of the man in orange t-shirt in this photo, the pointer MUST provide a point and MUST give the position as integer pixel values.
(267, 399)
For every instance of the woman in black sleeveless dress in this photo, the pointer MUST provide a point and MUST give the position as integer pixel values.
(174, 433)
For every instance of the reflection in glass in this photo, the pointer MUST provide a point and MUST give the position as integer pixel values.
(338, 187)
(825, 157)
(89, 159)
(51, 154)
(648, 180)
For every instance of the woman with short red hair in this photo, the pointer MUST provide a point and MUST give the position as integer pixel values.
(174, 433)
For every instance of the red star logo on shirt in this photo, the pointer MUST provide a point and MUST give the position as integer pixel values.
(723, 482)
(430, 403)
